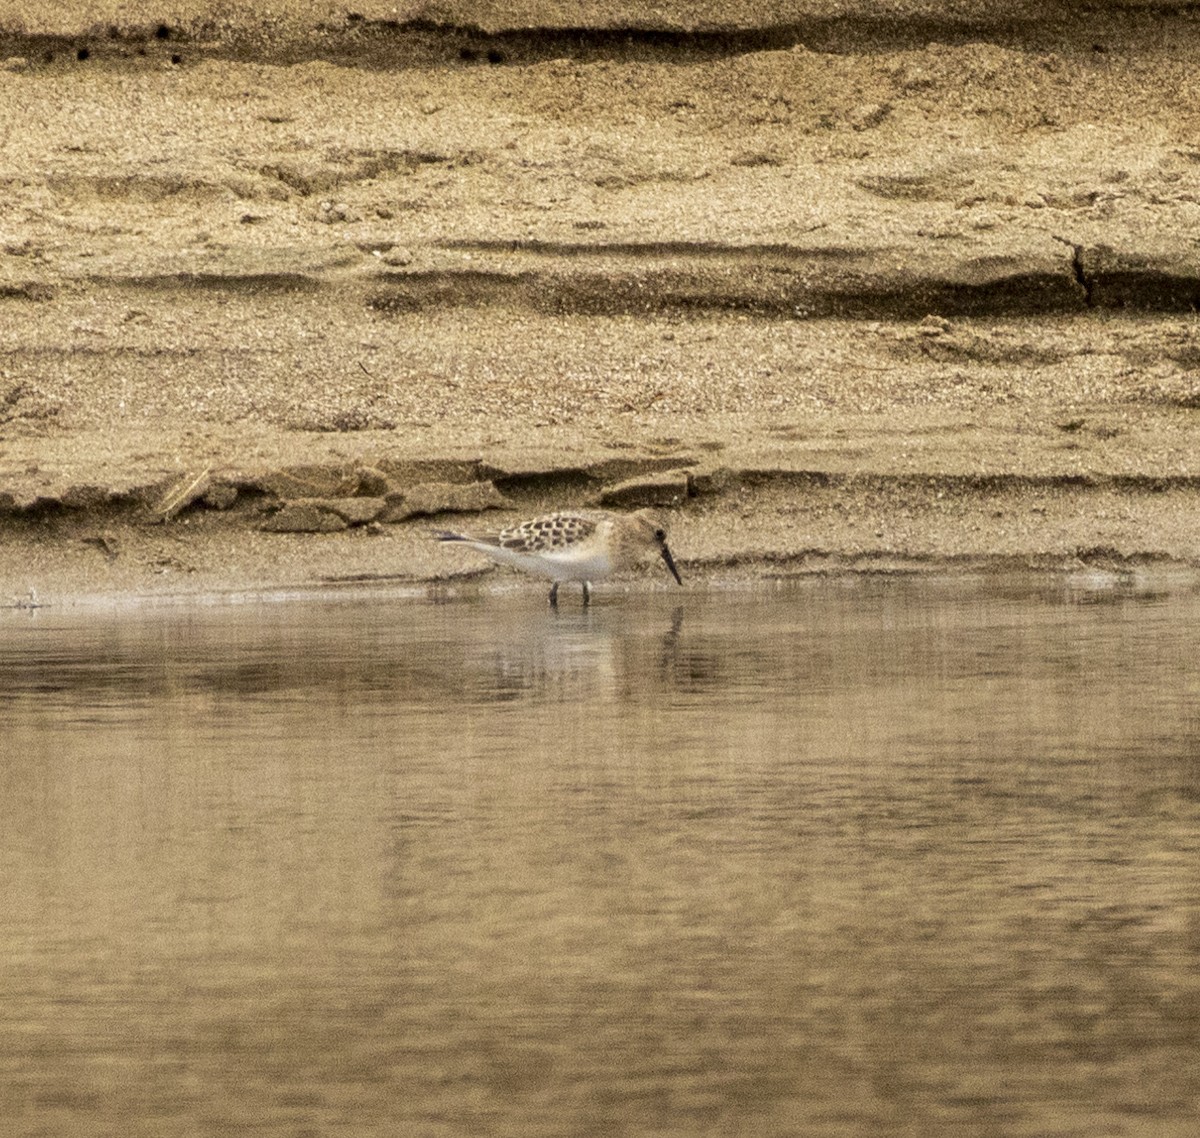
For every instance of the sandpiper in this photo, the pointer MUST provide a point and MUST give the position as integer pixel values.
(581, 545)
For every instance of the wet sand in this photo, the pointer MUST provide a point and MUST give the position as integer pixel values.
(840, 291)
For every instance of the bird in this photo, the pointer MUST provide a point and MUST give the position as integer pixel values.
(575, 545)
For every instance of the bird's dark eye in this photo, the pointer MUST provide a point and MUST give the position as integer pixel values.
(660, 535)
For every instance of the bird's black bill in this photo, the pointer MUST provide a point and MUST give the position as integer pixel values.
(666, 556)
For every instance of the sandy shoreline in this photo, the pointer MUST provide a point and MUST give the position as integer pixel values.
(843, 502)
(886, 304)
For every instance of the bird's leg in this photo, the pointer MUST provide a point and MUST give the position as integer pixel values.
(587, 593)
(554, 595)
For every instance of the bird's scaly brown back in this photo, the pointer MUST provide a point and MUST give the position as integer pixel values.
(553, 531)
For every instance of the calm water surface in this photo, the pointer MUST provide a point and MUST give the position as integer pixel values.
(841, 859)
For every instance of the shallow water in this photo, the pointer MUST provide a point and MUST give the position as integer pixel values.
(842, 859)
